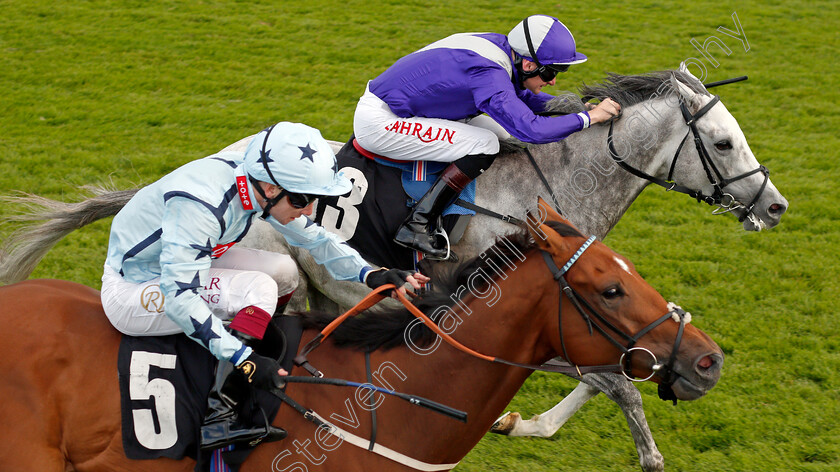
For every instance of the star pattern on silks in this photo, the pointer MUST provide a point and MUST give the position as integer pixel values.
(204, 331)
(203, 251)
(335, 165)
(307, 153)
(192, 286)
(265, 157)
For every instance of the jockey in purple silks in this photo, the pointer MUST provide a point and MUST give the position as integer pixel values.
(454, 99)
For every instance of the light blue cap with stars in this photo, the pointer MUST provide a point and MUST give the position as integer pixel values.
(295, 157)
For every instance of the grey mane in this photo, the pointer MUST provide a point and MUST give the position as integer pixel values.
(627, 90)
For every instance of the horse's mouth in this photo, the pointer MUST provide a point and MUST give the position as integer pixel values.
(685, 389)
(754, 223)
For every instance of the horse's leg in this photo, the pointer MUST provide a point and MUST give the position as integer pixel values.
(627, 396)
(546, 424)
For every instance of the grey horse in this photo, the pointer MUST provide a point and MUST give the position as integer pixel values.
(594, 192)
(595, 175)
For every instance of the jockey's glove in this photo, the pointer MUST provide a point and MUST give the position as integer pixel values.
(383, 276)
(261, 372)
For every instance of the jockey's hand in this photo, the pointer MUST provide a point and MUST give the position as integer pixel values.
(262, 372)
(604, 111)
(398, 277)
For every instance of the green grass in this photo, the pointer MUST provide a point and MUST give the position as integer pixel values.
(99, 91)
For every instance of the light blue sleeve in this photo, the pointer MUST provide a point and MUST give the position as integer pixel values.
(342, 261)
(189, 233)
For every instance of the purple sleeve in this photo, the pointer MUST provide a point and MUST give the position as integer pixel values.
(495, 95)
(535, 101)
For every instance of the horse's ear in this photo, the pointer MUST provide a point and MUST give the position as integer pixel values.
(684, 69)
(537, 229)
(550, 215)
(535, 222)
(686, 94)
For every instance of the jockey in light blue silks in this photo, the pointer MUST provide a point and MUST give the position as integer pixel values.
(429, 105)
(171, 267)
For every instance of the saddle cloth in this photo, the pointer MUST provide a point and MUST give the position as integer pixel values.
(164, 383)
(417, 178)
(384, 193)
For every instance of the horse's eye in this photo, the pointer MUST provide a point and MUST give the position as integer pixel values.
(612, 293)
(723, 145)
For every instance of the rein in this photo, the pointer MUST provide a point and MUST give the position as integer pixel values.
(726, 202)
(509, 218)
(376, 296)
(665, 371)
(581, 305)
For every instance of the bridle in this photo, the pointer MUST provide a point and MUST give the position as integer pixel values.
(665, 371)
(725, 201)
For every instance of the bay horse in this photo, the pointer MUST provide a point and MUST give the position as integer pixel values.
(538, 298)
(593, 190)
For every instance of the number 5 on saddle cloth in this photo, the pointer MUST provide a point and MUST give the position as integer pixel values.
(164, 383)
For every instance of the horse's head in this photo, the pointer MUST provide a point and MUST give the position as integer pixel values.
(603, 294)
(743, 185)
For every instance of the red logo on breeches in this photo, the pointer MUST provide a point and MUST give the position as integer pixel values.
(426, 135)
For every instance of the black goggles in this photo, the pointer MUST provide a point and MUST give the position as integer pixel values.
(548, 73)
(298, 200)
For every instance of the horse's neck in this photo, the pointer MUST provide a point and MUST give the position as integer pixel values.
(592, 190)
(509, 325)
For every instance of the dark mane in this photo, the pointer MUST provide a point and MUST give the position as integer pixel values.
(386, 329)
(627, 90)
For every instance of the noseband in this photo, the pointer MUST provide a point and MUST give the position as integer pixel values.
(603, 326)
(725, 201)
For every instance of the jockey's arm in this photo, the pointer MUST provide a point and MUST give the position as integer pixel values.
(189, 233)
(535, 101)
(516, 112)
(342, 261)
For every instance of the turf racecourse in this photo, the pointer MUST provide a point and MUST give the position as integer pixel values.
(123, 92)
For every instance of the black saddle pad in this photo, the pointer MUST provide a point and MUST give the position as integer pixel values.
(164, 383)
(370, 225)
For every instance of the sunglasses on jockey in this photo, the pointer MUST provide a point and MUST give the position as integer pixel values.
(298, 200)
(547, 73)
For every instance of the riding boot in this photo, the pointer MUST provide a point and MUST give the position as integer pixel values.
(222, 425)
(420, 230)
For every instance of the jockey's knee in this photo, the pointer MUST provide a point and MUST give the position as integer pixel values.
(284, 272)
(256, 289)
(474, 164)
(281, 268)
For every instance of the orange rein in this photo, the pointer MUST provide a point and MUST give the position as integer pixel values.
(375, 297)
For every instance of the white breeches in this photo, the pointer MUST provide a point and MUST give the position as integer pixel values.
(240, 277)
(380, 131)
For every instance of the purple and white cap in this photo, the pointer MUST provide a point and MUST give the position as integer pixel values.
(551, 41)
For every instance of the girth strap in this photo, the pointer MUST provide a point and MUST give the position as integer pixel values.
(381, 450)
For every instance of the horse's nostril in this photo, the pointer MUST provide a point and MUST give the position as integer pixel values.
(705, 362)
(776, 208)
